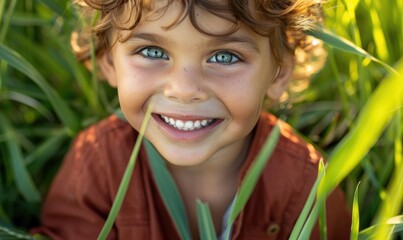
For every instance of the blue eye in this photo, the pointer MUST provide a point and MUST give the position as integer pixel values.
(154, 52)
(224, 57)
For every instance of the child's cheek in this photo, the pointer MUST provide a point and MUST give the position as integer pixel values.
(136, 86)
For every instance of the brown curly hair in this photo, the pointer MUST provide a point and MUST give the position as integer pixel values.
(283, 21)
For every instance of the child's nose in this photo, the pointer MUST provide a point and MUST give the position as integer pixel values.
(185, 85)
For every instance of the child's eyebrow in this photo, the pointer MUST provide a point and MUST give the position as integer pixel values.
(148, 37)
(244, 40)
(214, 41)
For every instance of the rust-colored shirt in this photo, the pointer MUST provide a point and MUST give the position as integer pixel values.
(83, 191)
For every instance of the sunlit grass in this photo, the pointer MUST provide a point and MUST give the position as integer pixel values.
(46, 97)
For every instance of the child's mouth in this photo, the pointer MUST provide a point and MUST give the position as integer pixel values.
(187, 125)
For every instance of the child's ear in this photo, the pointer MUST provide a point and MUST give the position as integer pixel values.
(282, 78)
(105, 63)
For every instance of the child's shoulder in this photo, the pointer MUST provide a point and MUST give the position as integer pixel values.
(294, 161)
(290, 142)
(109, 129)
(111, 136)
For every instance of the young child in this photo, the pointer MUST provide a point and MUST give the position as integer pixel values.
(206, 68)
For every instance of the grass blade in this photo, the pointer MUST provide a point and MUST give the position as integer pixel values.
(318, 208)
(296, 231)
(374, 116)
(252, 176)
(55, 6)
(392, 203)
(345, 45)
(23, 180)
(6, 234)
(355, 223)
(169, 192)
(37, 159)
(396, 223)
(65, 114)
(6, 20)
(205, 222)
(311, 221)
(322, 211)
(117, 203)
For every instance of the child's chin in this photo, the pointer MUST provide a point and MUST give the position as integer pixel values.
(185, 162)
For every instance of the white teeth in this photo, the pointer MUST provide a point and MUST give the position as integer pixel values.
(187, 125)
(179, 124)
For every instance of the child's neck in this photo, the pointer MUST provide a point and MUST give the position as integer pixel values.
(214, 182)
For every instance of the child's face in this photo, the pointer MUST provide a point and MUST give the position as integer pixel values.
(206, 91)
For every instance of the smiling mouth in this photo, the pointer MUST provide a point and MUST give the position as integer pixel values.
(187, 125)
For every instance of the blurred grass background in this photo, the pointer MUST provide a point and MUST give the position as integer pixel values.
(46, 98)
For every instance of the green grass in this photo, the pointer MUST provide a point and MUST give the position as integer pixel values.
(46, 98)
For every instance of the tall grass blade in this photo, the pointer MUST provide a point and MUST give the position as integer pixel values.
(2, 6)
(65, 114)
(6, 234)
(319, 209)
(311, 221)
(55, 6)
(296, 231)
(252, 176)
(395, 223)
(169, 192)
(322, 211)
(378, 34)
(392, 203)
(375, 115)
(6, 20)
(205, 222)
(120, 195)
(29, 101)
(38, 158)
(355, 223)
(345, 45)
(23, 180)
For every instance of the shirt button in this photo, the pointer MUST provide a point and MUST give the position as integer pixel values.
(273, 229)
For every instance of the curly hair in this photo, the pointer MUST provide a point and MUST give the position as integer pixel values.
(283, 21)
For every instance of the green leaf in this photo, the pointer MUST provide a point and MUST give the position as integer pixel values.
(351, 4)
(372, 120)
(322, 211)
(345, 45)
(355, 223)
(304, 230)
(168, 191)
(6, 19)
(311, 221)
(205, 222)
(296, 231)
(9, 234)
(55, 6)
(377, 112)
(15, 60)
(23, 180)
(392, 203)
(38, 158)
(252, 176)
(396, 223)
(124, 184)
